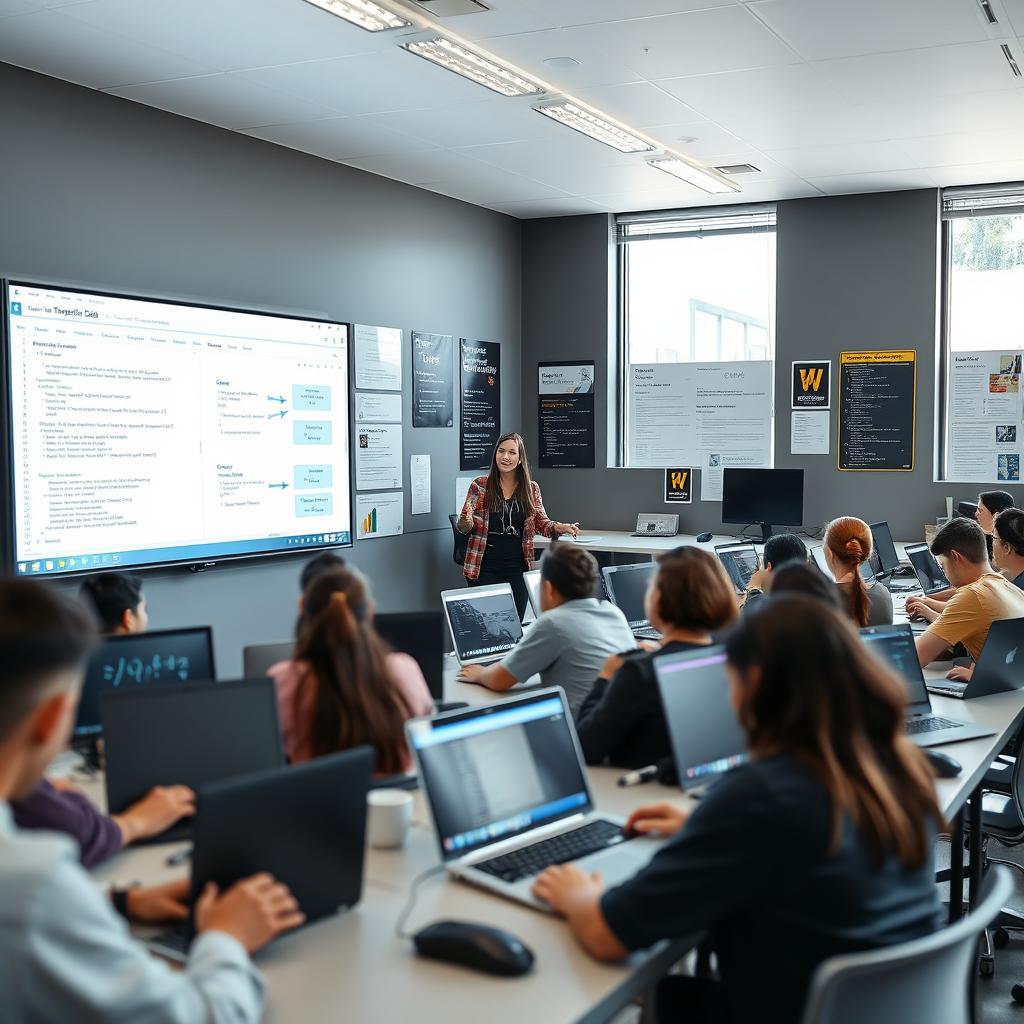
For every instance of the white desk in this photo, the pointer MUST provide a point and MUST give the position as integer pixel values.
(624, 543)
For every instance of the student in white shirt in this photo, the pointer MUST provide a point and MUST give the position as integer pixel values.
(65, 954)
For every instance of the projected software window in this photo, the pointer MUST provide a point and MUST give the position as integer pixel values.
(145, 431)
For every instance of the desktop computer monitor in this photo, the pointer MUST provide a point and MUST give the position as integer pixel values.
(763, 497)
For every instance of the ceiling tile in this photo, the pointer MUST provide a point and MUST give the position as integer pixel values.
(787, 129)
(708, 138)
(969, 112)
(340, 138)
(882, 181)
(8, 7)
(978, 174)
(570, 207)
(478, 183)
(545, 160)
(967, 147)
(858, 157)
(638, 104)
(504, 17)
(586, 12)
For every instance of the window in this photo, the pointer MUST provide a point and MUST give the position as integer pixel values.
(695, 286)
(983, 281)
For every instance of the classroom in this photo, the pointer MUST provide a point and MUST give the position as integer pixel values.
(512, 508)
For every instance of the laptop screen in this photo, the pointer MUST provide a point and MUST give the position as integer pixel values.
(895, 645)
(740, 561)
(706, 737)
(929, 574)
(142, 659)
(627, 587)
(483, 621)
(881, 537)
(498, 771)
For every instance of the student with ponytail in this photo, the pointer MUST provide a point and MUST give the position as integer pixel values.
(847, 545)
(1008, 545)
(344, 687)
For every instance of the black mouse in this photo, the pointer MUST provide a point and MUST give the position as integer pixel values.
(944, 766)
(480, 946)
(703, 538)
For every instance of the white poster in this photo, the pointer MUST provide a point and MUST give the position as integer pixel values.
(378, 355)
(378, 515)
(985, 438)
(809, 432)
(683, 413)
(461, 490)
(378, 456)
(419, 476)
(374, 408)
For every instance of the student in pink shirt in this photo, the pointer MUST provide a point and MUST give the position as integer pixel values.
(344, 687)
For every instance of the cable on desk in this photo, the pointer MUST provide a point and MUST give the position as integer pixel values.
(410, 905)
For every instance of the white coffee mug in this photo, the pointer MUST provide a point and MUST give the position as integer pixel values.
(390, 811)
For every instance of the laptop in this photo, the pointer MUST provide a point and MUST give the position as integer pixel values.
(707, 740)
(818, 557)
(257, 658)
(190, 735)
(483, 622)
(532, 581)
(740, 561)
(895, 646)
(998, 669)
(306, 826)
(141, 661)
(626, 586)
(509, 797)
(421, 636)
(929, 573)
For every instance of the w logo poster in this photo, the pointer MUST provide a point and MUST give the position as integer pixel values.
(812, 382)
(678, 485)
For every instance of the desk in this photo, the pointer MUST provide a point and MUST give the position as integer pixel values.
(623, 542)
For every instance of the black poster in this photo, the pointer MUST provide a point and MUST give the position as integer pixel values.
(678, 486)
(480, 363)
(812, 384)
(433, 387)
(877, 396)
(565, 409)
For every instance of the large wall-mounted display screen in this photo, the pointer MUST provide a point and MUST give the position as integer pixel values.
(145, 432)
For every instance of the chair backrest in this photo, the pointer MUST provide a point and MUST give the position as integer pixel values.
(927, 979)
(461, 542)
(257, 658)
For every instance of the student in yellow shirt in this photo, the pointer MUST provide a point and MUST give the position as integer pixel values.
(980, 597)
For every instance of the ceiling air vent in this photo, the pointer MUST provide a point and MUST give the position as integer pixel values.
(986, 10)
(732, 170)
(1011, 60)
(450, 8)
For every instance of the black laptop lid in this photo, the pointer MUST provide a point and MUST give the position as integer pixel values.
(1000, 666)
(895, 645)
(305, 825)
(137, 660)
(421, 636)
(884, 548)
(929, 572)
(190, 735)
(627, 586)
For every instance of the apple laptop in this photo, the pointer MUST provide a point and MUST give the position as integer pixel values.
(509, 797)
(532, 581)
(895, 646)
(483, 621)
(626, 587)
(1000, 666)
(740, 561)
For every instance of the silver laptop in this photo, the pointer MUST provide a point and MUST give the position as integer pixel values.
(626, 587)
(509, 796)
(532, 581)
(1000, 667)
(483, 621)
(895, 646)
(740, 561)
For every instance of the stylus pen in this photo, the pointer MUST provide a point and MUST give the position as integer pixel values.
(638, 777)
(179, 858)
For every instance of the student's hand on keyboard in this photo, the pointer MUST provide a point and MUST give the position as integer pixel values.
(470, 673)
(159, 903)
(253, 911)
(156, 812)
(665, 819)
(961, 673)
(564, 886)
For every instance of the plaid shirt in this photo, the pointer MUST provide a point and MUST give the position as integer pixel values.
(475, 517)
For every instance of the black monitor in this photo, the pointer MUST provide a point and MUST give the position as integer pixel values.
(135, 660)
(885, 549)
(763, 497)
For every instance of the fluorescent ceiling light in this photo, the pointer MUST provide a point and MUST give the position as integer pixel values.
(475, 66)
(364, 13)
(692, 175)
(582, 120)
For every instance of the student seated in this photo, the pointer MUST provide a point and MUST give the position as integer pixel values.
(65, 955)
(779, 549)
(801, 578)
(573, 636)
(822, 844)
(1008, 545)
(344, 686)
(980, 596)
(847, 545)
(622, 721)
(118, 601)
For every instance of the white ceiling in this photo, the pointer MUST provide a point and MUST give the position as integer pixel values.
(824, 96)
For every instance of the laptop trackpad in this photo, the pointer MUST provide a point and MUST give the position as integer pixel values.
(621, 862)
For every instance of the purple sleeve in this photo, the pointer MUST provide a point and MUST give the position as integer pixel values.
(98, 836)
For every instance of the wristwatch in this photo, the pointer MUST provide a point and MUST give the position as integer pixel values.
(119, 896)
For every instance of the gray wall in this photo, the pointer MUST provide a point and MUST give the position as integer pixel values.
(854, 272)
(98, 191)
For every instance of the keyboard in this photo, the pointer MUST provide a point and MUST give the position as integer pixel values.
(947, 689)
(532, 860)
(172, 944)
(930, 723)
(646, 633)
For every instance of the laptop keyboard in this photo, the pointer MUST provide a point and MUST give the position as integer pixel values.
(532, 860)
(646, 633)
(176, 942)
(931, 724)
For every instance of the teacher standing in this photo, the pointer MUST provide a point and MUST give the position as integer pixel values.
(502, 514)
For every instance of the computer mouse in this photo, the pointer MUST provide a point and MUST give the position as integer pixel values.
(703, 538)
(479, 946)
(944, 766)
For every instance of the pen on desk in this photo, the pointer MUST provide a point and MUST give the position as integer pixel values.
(179, 858)
(641, 775)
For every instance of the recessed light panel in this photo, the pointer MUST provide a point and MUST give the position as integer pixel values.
(477, 67)
(582, 120)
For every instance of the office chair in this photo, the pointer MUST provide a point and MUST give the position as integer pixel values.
(926, 979)
(461, 541)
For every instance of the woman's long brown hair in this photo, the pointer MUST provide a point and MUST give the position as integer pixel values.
(346, 690)
(849, 539)
(524, 481)
(810, 688)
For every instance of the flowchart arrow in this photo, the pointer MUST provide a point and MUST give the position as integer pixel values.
(276, 398)
(281, 485)
(274, 415)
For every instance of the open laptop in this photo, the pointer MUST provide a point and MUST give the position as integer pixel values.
(1000, 666)
(189, 735)
(818, 557)
(740, 561)
(135, 661)
(306, 826)
(483, 621)
(929, 573)
(895, 646)
(532, 581)
(257, 658)
(707, 740)
(509, 796)
(626, 586)
(421, 636)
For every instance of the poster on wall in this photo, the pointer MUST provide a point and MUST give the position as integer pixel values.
(379, 515)
(378, 456)
(378, 357)
(812, 384)
(433, 387)
(985, 417)
(565, 412)
(678, 486)
(877, 406)
(480, 374)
